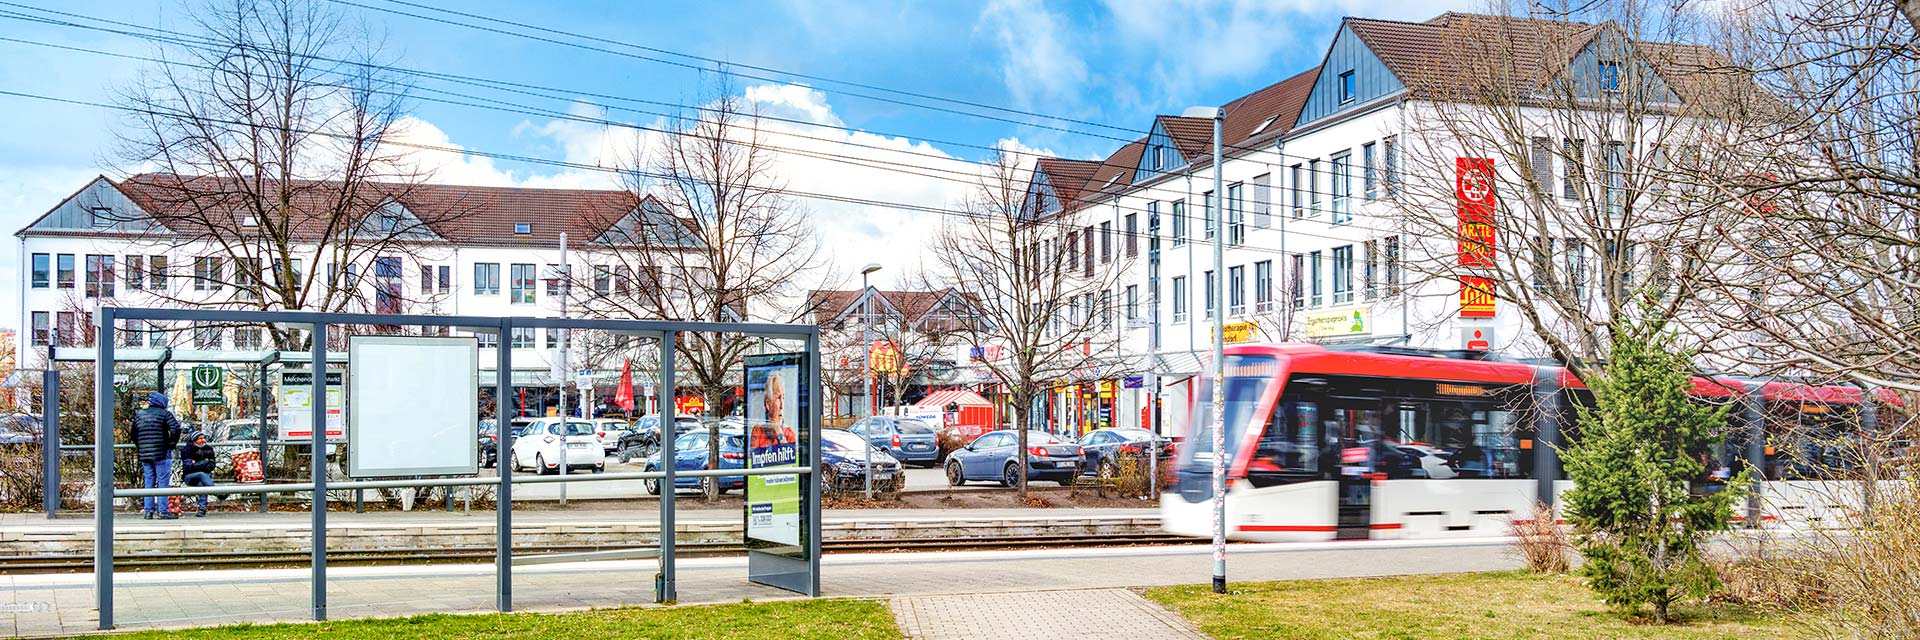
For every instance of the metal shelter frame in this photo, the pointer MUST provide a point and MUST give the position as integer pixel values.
(806, 581)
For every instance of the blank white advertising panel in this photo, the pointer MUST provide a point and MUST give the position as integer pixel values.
(412, 403)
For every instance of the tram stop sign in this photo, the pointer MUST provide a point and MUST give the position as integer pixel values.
(207, 384)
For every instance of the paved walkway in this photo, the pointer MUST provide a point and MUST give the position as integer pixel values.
(1095, 613)
(57, 604)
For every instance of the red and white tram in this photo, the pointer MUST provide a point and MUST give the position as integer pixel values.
(1329, 443)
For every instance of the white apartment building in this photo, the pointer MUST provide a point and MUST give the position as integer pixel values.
(1317, 248)
(461, 250)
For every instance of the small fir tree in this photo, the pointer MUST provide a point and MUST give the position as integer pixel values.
(1641, 447)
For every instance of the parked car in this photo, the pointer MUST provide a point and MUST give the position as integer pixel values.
(996, 457)
(490, 439)
(539, 446)
(643, 439)
(843, 463)
(609, 431)
(910, 440)
(1102, 450)
(690, 454)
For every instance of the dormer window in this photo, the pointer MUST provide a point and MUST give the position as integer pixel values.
(389, 221)
(249, 222)
(1346, 87)
(102, 216)
(1159, 160)
(522, 228)
(1610, 76)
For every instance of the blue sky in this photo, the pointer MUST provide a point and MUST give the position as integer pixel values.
(1116, 62)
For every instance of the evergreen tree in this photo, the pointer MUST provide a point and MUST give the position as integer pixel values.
(1637, 519)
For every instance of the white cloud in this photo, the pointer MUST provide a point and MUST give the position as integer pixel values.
(1042, 64)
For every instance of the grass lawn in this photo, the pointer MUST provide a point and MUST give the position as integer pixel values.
(1481, 605)
(823, 619)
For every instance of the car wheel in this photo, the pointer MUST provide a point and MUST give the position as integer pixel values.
(540, 463)
(1010, 476)
(625, 456)
(829, 478)
(600, 468)
(955, 476)
(1069, 480)
(653, 486)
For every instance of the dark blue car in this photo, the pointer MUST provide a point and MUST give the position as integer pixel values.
(909, 440)
(843, 463)
(1104, 449)
(690, 454)
(996, 457)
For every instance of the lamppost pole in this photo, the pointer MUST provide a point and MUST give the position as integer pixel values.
(866, 377)
(1217, 204)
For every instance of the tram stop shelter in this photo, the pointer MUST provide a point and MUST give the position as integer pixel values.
(417, 395)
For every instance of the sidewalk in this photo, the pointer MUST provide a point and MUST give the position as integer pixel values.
(1093, 613)
(1073, 579)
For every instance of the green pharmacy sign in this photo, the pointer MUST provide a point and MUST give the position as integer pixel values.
(207, 383)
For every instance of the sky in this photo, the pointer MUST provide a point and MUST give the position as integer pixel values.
(1107, 66)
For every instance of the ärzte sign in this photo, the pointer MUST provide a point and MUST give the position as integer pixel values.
(208, 385)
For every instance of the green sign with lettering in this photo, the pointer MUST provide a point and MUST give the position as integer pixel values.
(208, 384)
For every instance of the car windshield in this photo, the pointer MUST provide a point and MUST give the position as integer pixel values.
(841, 441)
(914, 427)
(573, 428)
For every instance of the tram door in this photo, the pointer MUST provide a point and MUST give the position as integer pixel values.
(1357, 428)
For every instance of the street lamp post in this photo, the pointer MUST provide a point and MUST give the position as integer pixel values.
(1218, 215)
(866, 375)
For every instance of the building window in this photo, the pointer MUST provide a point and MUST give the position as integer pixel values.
(1086, 237)
(1106, 242)
(1313, 187)
(446, 278)
(1179, 222)
(1179, 299)
(1297, 281)
(1263, 286)
(1314, 286)
(64, 331)
(1237, 290)
(42, 271)
(522, 228)
(64, 271)
(1368, 181)
(622, 280)
(1212, 299)
(248, 338)
(521, 284)
(522, 337)
(1262, 201)
(602, 279)
(157, 273)
(1576, 168)
(553, 338)
(1133, 235)
(1575, 251)
(136, 277)
(1392, 264)
(133, 335)
(1610, 76)
(207, 336)
(1153, 227)
(1206, 215)
(1370, 289)
(426, 279)
(1346, 87)
(1158, 161)
(99, 276)
(206, 273)
(1343, 274)
(1540, 162)
(290, 279)
(1133, 302)
(487, 340)
(1299, 198)
(1106, 308)
(1615, 187)
(386, 286)
(1342, 187)
(1236, 216)
(486, 279)
(1391, 148)
(42, 331)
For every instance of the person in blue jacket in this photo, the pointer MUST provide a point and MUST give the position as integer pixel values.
(196, 460)
(155, 435)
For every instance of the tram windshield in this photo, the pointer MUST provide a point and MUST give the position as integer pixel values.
(1248, 378)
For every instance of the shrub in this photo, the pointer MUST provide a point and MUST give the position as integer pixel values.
(1540, 543)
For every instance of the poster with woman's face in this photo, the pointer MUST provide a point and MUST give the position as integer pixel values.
(773, 413)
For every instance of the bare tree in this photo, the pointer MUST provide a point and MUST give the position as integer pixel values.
(1554, 149)
(269, 156)
(714, 236)
(1047, 311)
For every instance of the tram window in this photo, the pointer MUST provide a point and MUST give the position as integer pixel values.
(1807, 441)
(1294, 448)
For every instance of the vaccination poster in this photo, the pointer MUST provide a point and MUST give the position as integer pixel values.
(773, 415)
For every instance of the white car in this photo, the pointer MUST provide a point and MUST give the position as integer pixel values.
(538, 448)
(609, 431)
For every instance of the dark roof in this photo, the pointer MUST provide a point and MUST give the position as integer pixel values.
(1193, 137)
(1279, 102)
(1117, 171)
(461, 214)
(1068, 177)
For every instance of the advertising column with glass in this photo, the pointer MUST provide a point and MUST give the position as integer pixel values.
(780, 435)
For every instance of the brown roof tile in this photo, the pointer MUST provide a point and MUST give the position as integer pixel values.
(1279, 102)
(1068, 177)
(1193, 137)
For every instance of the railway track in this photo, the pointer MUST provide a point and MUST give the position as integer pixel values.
(428, 555)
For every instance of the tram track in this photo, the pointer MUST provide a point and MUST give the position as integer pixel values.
(61, 563)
